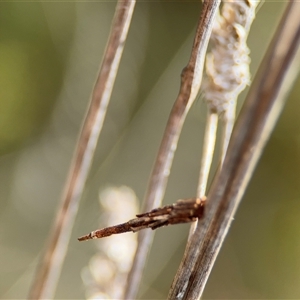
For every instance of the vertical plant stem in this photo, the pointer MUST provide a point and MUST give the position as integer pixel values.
(228, 121)
(190, 84)
(255, 123)
(50, 266)
(209, 143)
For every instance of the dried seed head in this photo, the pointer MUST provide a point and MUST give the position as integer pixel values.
(227, 66)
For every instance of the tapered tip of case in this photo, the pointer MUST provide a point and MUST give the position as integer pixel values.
(85, 238)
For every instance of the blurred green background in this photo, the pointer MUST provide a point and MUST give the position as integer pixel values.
(49, 56)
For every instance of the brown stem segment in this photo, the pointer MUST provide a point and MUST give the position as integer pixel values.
(48, 273)
(183, 211)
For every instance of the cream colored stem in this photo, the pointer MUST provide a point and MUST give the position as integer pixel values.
(208, 149)
(209, 143)
(227, 126)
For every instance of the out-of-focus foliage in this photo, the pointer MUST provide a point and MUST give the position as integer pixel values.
(31, 73)
(49, 57)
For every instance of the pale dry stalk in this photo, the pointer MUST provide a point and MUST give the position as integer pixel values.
(209, 142)
(48, 273)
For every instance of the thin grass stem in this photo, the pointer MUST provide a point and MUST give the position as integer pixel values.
(209, 143)
(228, 122)
(208, 149)
(45, 282)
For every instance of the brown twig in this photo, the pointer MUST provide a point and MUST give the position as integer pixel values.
(190, 84)
(48, 273)
(183, 211)
(255, 123)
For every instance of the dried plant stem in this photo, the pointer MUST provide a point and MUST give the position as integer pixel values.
(49, 270)
(190, 84)
(255, 123)
(228, 121)
(209, 143)
(208, 150)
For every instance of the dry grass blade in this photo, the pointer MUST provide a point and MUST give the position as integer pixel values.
(208, 151)
(190, 84)
(228, 121)
(209, 143)
(258, 117)
(48, 273)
